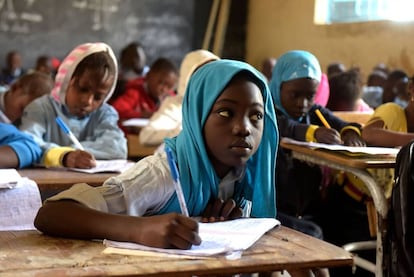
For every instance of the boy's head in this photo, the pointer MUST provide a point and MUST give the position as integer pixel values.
(395, 85)
(294, 83)
(86, 78)
(133, 58)
(13, 61)
(27, 88)
(161, 78)
(345, 90)
(334, 68)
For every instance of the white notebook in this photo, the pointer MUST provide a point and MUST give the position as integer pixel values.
(224, 237)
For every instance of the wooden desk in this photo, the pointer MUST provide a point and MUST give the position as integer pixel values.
(136, 149)
(52, 181)
(356, 166)
(28, 253)
(358, 117)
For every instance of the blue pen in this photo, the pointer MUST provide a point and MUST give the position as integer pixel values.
(176, 179)
(66, 129)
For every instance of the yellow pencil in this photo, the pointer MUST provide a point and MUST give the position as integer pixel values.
(325, 123)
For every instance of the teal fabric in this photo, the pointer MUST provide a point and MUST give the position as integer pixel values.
(293, 65)
(198, 178)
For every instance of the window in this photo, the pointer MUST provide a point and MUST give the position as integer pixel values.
(348, 11)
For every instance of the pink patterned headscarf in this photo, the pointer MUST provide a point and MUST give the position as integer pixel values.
(69, 64)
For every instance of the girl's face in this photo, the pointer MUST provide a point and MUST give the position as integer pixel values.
(297, 96)
(233, 129)
(87, 92)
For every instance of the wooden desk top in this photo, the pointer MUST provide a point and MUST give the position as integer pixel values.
(136, 149)
(28, 253)
(60, 179)
(357, 162)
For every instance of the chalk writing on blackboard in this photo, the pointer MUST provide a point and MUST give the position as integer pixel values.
(14, 21)
(101, 10)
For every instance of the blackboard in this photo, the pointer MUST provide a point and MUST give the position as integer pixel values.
(54, 27)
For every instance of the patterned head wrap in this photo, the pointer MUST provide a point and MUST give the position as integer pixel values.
(69, 64)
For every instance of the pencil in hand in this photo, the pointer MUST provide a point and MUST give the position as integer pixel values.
(322, 118)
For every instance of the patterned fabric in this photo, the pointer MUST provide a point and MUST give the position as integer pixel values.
(69, 64)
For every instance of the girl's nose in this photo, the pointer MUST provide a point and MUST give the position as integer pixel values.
(242, 127)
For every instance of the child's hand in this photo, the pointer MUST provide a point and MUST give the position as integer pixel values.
(79, 159)
(327, 135)
(168, 231)
(218, 210)
(352, 138)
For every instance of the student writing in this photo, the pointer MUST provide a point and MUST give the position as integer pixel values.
(84, 82)
(225, 155)
(166, 121)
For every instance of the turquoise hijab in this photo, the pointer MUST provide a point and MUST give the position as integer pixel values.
(198, 178)
(293, 65)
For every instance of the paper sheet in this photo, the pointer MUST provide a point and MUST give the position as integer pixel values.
(9, 178)
(19, 205)
(136, 122)
(107, 166)
(217, 238)
(350, 150)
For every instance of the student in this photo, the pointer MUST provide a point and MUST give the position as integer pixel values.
(143, 95)
(391, 125)
(17, 150)
(293, 86)
(226, 151)
(374, 88)
(267, 66)
(166, 121)
(132, 65)
(395, 88)
(13, 68)
(85, 81)
(335, 68)
(345, 92)
(23, 91)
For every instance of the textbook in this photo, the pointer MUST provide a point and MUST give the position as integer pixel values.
(347, 150)
(224, 237)
(118, 166)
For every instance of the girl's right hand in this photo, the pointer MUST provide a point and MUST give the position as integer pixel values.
(327, 135)
(79, 159)
(168, 231)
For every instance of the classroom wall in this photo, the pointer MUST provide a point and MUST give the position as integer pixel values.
(276, 26)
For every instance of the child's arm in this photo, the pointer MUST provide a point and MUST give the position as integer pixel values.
(375, 135)
(66, 218)
(8, 158)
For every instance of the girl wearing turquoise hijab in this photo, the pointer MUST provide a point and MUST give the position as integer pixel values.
(294, 83)
(225, 156)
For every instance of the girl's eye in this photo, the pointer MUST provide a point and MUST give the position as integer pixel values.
(224, 113)
(257, 116)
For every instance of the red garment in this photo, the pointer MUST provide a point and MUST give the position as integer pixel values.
(134, 100)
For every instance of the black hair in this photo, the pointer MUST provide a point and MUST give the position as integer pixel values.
(163, 64)
(101, 63)
(345, 87)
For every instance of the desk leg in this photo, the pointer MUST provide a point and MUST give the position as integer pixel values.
(377, 195)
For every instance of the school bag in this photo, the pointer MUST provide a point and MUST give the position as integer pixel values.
(401, 216)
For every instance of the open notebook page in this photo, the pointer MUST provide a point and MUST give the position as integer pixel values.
(217, 238)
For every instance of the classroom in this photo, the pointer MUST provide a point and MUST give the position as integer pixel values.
(239, 36)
